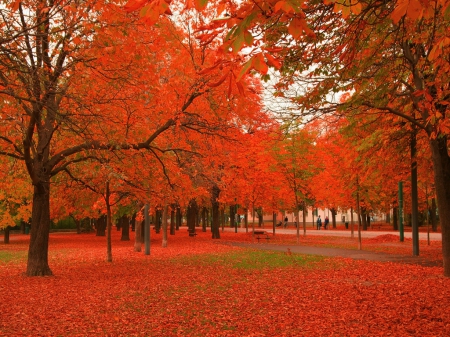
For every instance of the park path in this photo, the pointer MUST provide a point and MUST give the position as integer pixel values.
(342, 252)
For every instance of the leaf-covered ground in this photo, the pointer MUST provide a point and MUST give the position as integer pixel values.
(198, 287)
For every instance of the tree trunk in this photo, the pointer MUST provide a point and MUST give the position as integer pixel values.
(232, 216)
(434, 222)
(333, 216)
(125, 224)
(441, 166)
(191, 215)
(215, 192)
(164, 226)
(6, 237)
(137, 238)
(108, 225)
(101, 226)
(133, 222)
(260, 217)
(157, 221)
(363, 218)
(179, 218)
(395, 218)
(37, 264)
(172, 220)
(246, 220)
(204, 217)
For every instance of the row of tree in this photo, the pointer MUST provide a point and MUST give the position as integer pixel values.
(104, 109)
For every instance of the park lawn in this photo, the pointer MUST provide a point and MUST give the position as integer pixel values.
(200, 287)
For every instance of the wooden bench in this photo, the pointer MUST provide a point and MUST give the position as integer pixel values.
(192, 232)
(261, 235)
(375, 225)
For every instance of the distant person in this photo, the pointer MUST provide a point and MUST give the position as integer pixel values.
(286, 221)
(326, 222)
(319, 223)
(296, 221)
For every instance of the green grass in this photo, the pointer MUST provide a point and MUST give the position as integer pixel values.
(14, 257)
(253, 260)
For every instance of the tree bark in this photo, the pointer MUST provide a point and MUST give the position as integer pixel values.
(125, 224)
(172, 220)
(215, 192)
(333, 216)
(101, 226)
(37, 264)
(179, 218)
(137, 238)
(395, 218)
(108, 225)
(434, 222)
(164, 226)
(441, 167)
(6, 235)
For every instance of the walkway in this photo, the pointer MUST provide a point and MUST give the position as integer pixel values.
(347, 253)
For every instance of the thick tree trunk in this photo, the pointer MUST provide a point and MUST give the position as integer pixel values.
(37, 264)
(125, 224)
(441, 166)
(215, 192)
(6, 234)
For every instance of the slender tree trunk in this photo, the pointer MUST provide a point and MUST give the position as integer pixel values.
(164, 226)
(232, 216)
(352, 223)
(363, 217)
(101, 226)
(333, 216)
(37, 264)
(172, 220)
(133, 222)
(434, 222)
(137, 238)
(6, 234)
(395, 218)
(246, 220)
(204, 219)
(191, 215)
(178, 218)
(215, 192)
(108, 225)
(260, 217)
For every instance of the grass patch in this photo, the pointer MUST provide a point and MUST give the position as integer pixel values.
(248, 259)
(13, 257)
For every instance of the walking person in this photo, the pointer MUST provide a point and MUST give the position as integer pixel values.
(326, 222)
(319, 223)
(286, 221)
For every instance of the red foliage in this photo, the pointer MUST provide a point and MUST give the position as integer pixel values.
(170, 293)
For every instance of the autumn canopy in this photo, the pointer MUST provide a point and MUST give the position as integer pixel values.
(189, 106)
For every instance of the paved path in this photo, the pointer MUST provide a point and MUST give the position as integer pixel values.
(341, 233)
(347, 253)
